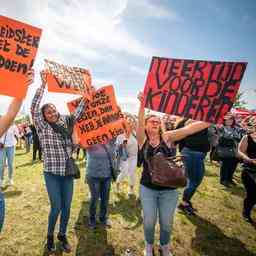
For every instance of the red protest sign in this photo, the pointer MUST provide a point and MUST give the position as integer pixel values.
(102, 119)
(65, 79)
(197, 89)
(18, 46)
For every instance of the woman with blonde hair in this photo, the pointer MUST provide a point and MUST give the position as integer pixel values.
(157, 200)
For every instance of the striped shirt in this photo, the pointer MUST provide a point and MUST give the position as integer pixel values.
(52, 143)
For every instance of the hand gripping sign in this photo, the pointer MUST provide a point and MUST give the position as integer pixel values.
(18, 46)
(196, 89)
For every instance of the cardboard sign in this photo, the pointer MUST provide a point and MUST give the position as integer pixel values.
(65, 79)
(18, 46)
(102, 119)
(196, 89)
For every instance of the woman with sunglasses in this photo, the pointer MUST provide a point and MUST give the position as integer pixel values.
(157, 200)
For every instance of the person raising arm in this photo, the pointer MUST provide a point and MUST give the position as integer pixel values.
(14, 107)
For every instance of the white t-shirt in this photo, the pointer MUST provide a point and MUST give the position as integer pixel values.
(10, 139)
(132, 144)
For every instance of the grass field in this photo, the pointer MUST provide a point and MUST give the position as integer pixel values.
(217, 230)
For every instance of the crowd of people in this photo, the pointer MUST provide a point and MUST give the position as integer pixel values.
(52, 135)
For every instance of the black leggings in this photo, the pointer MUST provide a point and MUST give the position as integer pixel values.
(227, 169)
(250, 187)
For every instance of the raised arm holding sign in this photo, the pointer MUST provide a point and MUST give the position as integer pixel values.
(14, 107)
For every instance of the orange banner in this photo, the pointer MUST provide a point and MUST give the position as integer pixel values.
(65, 79)
(102, 119)
(18, 46)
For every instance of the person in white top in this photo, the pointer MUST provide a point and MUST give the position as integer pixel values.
(128, 166)
(7, 150)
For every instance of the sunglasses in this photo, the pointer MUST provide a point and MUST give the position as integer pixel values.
(154, 122)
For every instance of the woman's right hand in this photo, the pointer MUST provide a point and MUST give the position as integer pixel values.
(141, 98)
(30, 77)
(43, 74)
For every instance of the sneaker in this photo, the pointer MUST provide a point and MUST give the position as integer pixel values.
(64, 243)
(225, 184)
(10, 182)
(165, 250)
(248, 218)
(149, 250)
(106, 223)
(92, 224)
(233, 183)
(50, 246)
(191, 205)
(187, 209)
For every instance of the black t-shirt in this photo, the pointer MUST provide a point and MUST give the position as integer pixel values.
(145, 177)
(197, 142)
(251, 152)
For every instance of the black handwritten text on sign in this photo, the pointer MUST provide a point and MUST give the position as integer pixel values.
(201, 90)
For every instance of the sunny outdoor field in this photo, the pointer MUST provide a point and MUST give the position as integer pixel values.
(217, 229)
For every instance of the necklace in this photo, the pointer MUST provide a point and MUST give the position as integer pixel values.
(155, 141)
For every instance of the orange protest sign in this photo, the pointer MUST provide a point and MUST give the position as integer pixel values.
(18, 46)
(65, 79)
(102, 119)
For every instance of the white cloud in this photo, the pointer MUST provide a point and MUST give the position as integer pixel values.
(152, 9)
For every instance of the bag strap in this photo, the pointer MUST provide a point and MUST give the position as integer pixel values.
(70, 127)
(108, 155)
(110, 161)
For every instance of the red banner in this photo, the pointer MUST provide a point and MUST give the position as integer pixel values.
(102, 119)
(196, 89)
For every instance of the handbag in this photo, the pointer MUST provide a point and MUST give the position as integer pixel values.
(72, 169)
(166, 171)
(2, 144)
(222, 152)
(113, 167)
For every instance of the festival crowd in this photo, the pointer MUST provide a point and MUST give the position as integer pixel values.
(146, 136)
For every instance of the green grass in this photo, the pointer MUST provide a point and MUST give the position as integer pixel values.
(217, 230)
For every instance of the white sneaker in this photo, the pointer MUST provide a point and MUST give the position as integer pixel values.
(149, 250)
(165, 250)
(1, 183)
(10, 182)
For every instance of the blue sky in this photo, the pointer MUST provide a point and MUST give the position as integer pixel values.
(116, 39)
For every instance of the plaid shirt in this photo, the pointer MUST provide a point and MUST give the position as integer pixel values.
(52, 143)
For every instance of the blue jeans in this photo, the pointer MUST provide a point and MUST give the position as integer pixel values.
(162, 203)
(99, 188)
(2, 210)
(194, 165)
(60, 192)
(9, 153)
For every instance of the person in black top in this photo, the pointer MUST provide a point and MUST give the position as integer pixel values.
(194, 149)
(157, 200)
(36, 143)
(247, 151)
